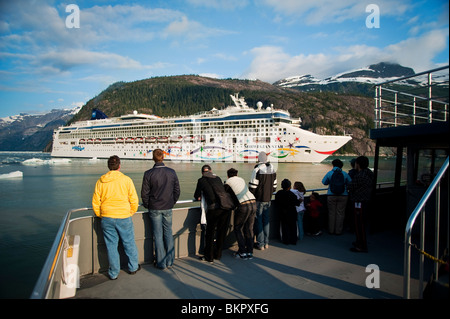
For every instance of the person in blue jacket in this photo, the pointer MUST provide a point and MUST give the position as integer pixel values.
(337, 181)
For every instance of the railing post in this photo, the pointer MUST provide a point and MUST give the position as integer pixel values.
(430, 102)
(379, 106)
(407, 266)
(436, 232)
(421, 256)
(395, 109)
(376, 107)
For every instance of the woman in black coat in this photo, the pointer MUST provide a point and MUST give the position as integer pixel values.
(285, 202)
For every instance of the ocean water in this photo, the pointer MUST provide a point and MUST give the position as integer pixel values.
(37, 191)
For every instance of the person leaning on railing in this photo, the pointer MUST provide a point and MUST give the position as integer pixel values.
(160, 192)
(115, 200)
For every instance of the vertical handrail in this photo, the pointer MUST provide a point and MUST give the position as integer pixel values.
(420, 209)
(436, 228)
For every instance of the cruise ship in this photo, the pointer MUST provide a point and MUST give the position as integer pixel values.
(234, 134)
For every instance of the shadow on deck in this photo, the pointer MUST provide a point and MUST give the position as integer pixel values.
(319, 267)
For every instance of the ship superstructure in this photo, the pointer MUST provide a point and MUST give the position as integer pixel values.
(235, 134)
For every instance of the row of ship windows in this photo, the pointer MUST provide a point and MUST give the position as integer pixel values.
(191, 126)
(228, 141)
(212, 132)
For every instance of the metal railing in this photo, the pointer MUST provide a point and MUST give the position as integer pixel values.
(399, 108)
(420, 210)
(56, 251)
(48, 270)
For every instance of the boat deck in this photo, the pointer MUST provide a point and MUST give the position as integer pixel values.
(320, 267)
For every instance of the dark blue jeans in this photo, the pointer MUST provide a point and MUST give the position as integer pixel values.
(162, 233)
(262, 223)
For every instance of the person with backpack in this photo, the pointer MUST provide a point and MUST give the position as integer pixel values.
(217, 215)
(337, 181)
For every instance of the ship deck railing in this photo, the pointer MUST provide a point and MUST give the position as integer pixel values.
(395, 105)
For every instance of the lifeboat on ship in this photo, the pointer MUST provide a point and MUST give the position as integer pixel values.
(163, 139)
(176, 139)
(129, 140)
(150, 139)
(200, 138)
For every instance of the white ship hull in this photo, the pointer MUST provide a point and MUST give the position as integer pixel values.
(236, 134)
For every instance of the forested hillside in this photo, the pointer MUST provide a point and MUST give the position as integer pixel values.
(323, 113)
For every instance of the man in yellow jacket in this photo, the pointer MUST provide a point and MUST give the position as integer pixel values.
(115, 200)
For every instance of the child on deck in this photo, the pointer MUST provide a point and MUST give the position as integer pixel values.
(299, 190)
(314, 214)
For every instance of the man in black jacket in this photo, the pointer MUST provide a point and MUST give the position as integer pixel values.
(360, 190)
(160, 191)
(216, 218)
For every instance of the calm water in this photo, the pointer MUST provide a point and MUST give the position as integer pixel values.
(32, 206)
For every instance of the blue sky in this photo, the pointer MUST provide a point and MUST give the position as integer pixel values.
(45, 65)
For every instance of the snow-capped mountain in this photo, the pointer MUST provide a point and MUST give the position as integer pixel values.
(355, 81)
(26, 132)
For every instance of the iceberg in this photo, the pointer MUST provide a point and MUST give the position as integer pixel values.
(16, 174)
(33, 161)
(38, 161)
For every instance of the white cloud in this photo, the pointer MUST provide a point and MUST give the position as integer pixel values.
(225, 57)
(39, 38)
(190, 30)
(220, 4)
(271, 63)
(211, 75)
(125, 23)
(419, 51)
(63, 61)
(315, 12)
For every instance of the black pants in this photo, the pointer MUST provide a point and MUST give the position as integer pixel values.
(244, 218)
(360, 215)
(216, 227)
(313, 225)
(289, 230)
